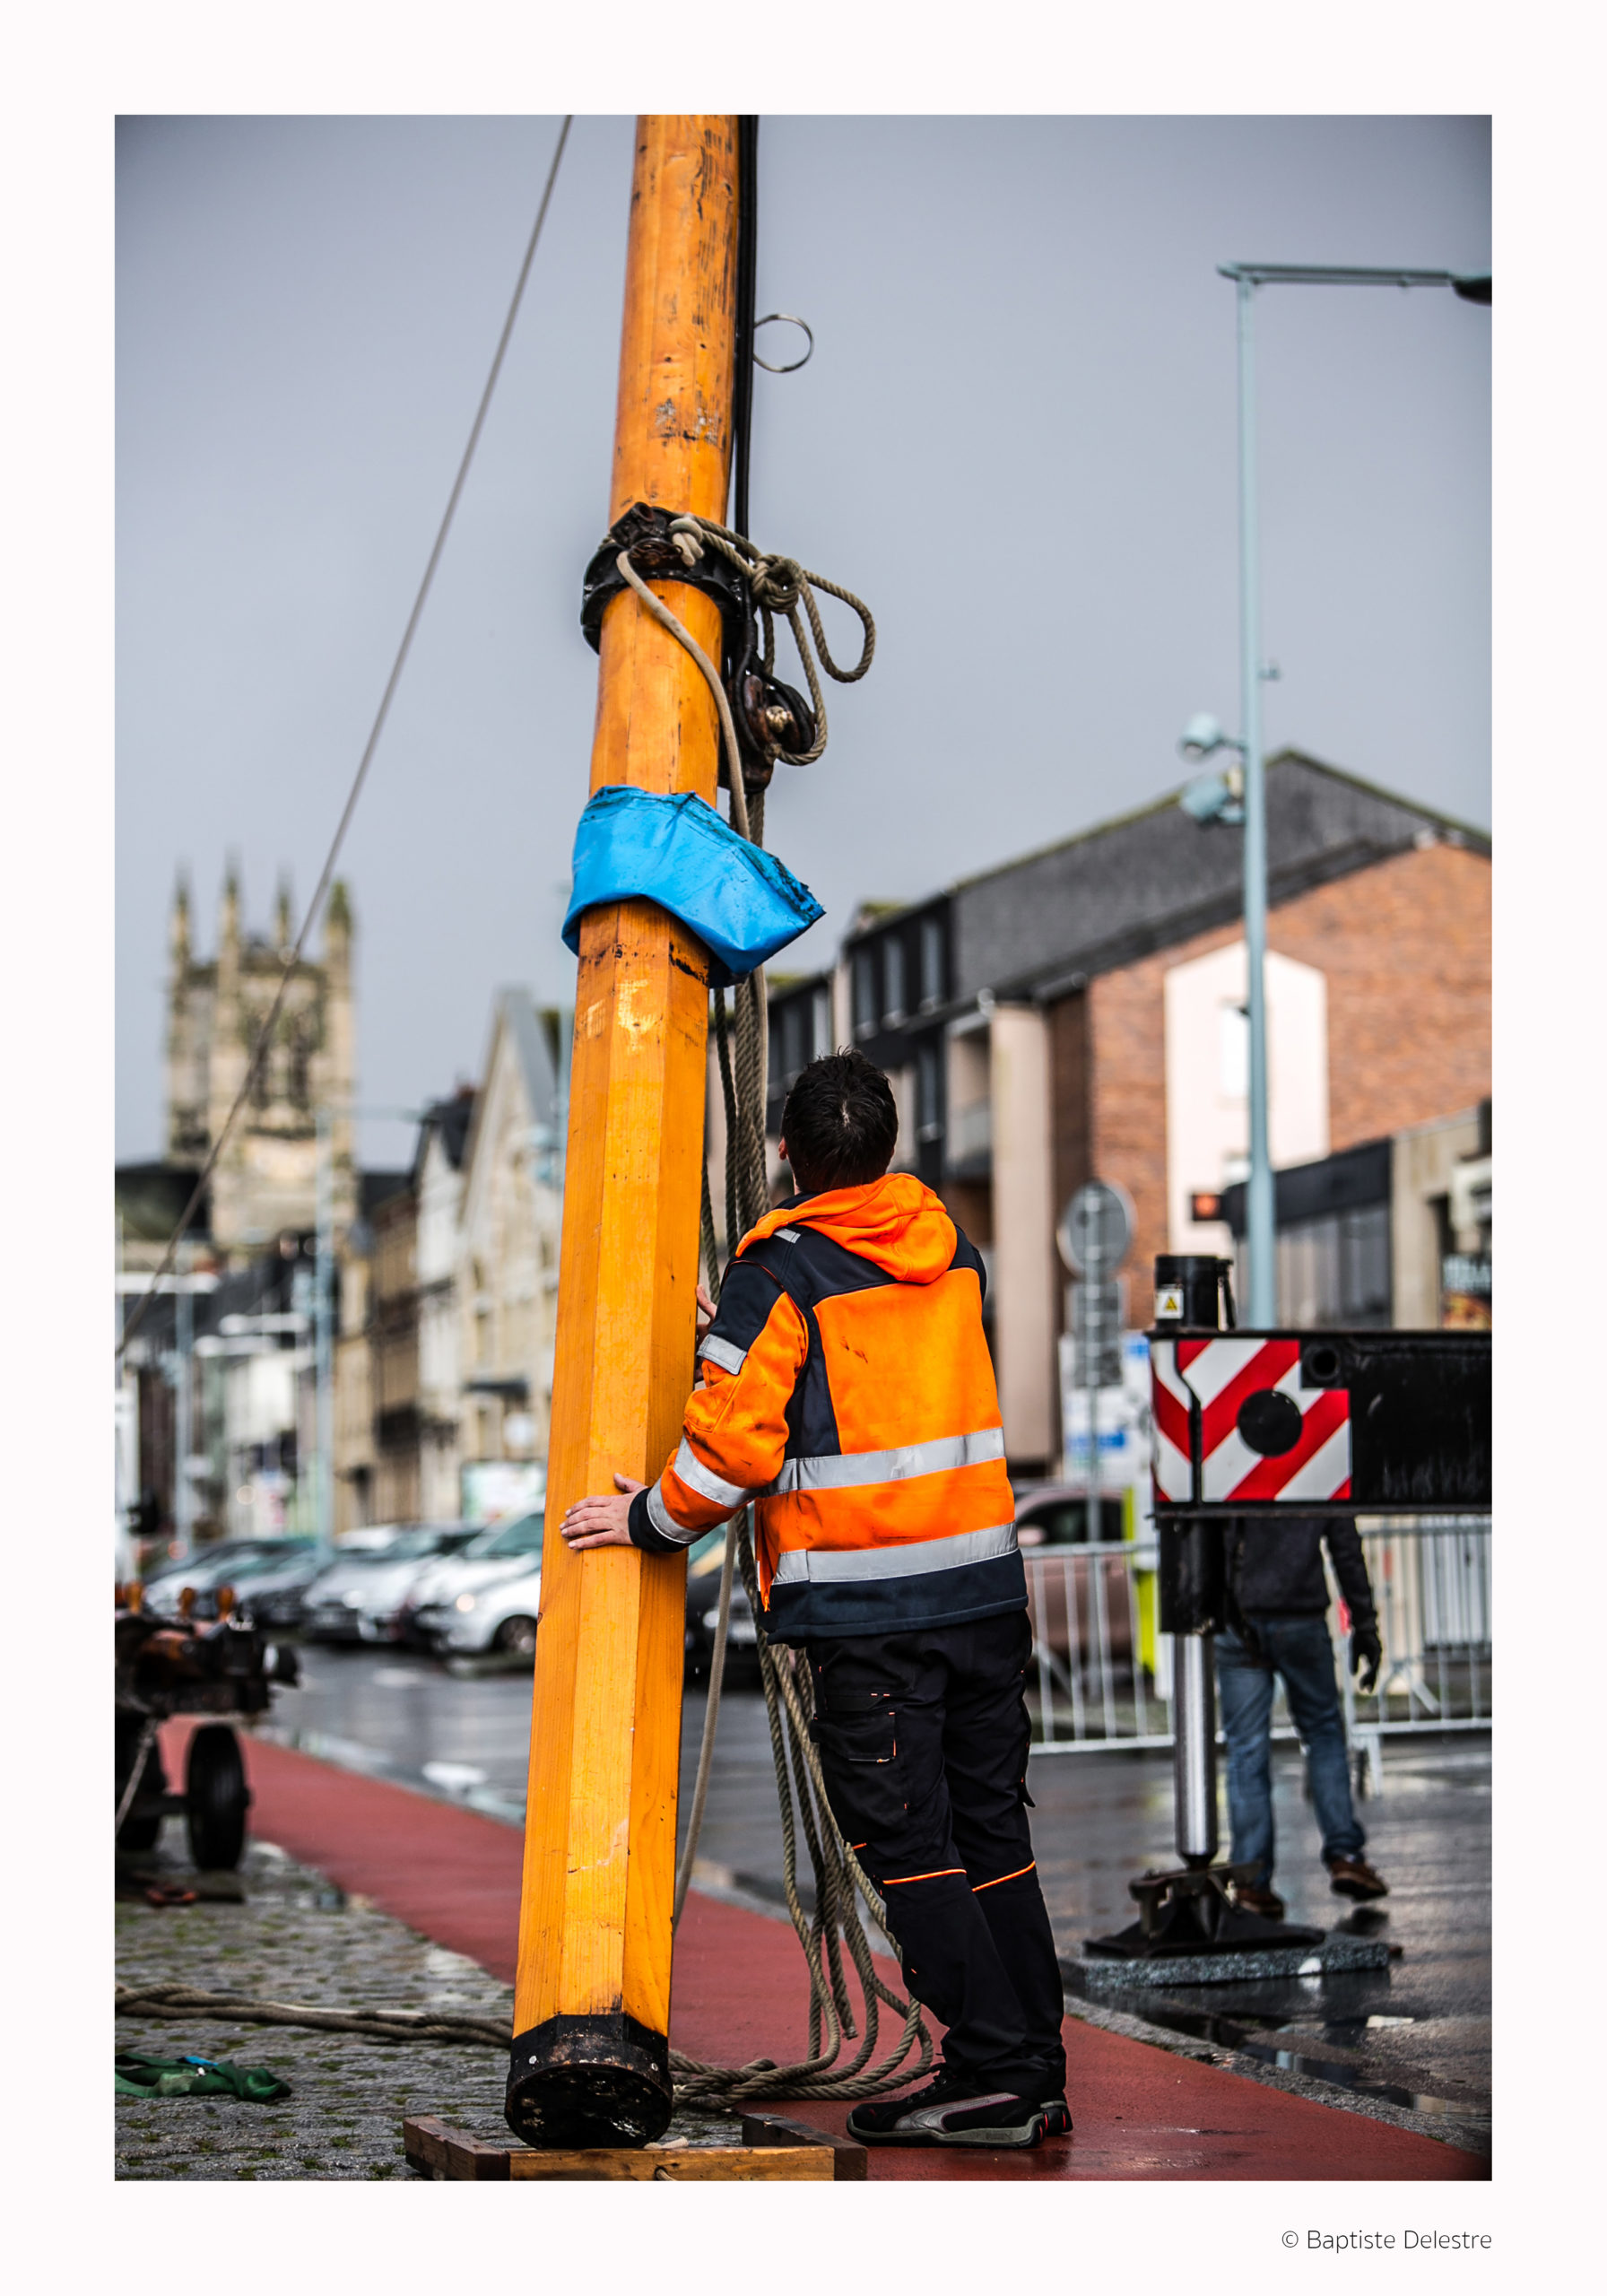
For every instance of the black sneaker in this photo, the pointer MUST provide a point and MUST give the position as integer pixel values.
(953, 2111)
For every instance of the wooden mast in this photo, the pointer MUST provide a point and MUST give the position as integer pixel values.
(591, 2012)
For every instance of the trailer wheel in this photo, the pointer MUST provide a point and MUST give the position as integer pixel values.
(215, 1799)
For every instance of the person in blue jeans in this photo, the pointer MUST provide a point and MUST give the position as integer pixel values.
(1276, 1630)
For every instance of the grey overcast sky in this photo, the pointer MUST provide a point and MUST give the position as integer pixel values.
(1016, 441)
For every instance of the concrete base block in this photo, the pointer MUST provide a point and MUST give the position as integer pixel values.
(1093, 1977)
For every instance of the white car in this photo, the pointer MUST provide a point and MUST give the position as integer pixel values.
(360, 1597)
(504, 1551)
(500, 1617)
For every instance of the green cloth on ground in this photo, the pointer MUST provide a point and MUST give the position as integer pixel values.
(197, 2076)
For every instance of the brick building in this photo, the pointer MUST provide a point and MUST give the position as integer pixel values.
(1080, 1013)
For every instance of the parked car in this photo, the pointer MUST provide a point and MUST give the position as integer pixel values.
(224, 1564)
(499, 1616)
(369, 1537)
(359, 1597)
(506, 1550)
(271, 1592)
(1055, 1515)
(703, 1614)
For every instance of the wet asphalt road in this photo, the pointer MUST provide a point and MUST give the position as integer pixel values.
(1419, 2030)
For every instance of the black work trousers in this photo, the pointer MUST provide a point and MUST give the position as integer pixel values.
(923, 1741)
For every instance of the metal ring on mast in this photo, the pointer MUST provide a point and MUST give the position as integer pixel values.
(785, 318)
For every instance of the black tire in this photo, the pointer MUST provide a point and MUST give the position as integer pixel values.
(516, 1638)
(215, 1799)
(139, 1834)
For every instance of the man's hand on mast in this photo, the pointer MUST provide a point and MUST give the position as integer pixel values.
(602, 1522)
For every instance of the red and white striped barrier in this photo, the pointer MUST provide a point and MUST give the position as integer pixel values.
(1296, 1449)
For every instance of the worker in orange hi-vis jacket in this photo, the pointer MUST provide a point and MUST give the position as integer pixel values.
(846, 1391)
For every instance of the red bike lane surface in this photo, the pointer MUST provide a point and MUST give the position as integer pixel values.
(740, 1992)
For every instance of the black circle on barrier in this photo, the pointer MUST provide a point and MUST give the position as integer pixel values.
(1321, 1364)
(1270, 1423)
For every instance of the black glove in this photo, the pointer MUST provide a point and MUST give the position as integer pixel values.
(1367, 1655)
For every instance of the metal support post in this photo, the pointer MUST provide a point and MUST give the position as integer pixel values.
(1090, 1372)
(1262, 1302)
(1193, 1747)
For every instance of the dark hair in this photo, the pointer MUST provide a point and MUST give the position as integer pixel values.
(840, 1124)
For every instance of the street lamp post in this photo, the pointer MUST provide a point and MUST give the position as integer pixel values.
(183, 1433)
(1262, 1306)
(1204, 736)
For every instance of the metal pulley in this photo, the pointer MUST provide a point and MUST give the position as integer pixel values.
(771, 718)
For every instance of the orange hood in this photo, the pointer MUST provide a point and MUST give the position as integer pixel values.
(895, 1222)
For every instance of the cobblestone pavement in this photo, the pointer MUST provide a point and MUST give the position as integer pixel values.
(292, 1937)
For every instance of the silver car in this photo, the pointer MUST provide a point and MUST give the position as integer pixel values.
(360, 1597)
(504, 1551)
(499, 1617)
(211, 1566)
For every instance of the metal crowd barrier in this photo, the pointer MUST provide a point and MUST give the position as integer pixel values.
(1103, 1671)
(1430, 1577)
(1091, 1607)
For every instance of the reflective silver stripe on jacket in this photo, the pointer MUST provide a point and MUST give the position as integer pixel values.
(693, 1473)
(721, 1351)
(819, 1563)
(848, 1470)
(664, 1522)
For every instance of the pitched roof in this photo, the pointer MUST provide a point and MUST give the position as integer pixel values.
(449, 1122)
(150, 1199)
(515, 1022)
(375, 1188)
(1151, 878)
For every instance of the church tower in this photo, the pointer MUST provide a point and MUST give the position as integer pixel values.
(266, 1178)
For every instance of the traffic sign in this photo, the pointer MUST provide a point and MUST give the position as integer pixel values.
(1096, 1229)
(1095, 1319)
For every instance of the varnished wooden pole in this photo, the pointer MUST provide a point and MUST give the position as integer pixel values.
(591, 2011)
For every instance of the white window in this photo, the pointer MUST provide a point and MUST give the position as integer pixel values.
(820, 1033)
(865, 992)
(931, 962)
(892, 981)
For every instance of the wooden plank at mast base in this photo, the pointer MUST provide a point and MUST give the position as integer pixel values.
(850, 2158)
(773, 2151)
(675, 2164)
